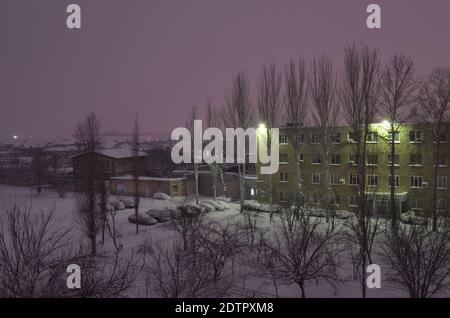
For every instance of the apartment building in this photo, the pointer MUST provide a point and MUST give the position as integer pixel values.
(414, 161)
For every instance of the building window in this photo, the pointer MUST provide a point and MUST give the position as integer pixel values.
(396, 160)
(283, 196)
(353, 200)
(416, 182)
(397, 181)
(315, 138)
(396, 137)
(315, 198)
(372, 160)
(300, 158)
(441, 204)
(283, 177)
(252, 192)
(336, 138)
(351, 136)
(415, 136)
(353, 159)
(442, 137)
(283, 158)
(316, 178)
(175, 189)
(415, 159)
(416, 204)
(442, 161)
(372, 137)
(316, 160)
(301, 139)
(372, 180)
(283, 139)
(442, 182)
(335, 159)
(334, 179)
(353, 179)
(337, 199)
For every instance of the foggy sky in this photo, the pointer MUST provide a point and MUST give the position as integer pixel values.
(157, 58)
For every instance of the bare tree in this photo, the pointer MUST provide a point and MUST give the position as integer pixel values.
(172, 272)
(136, 167)
(190, 125)
(35, 251)
(38, 166)
(419, 258)
(434, 102)
(398, 93)
(296, 108)
(358, 96)
(238, 113)
(269, 101)
(304, 249)
(213, 121)
(88, 139)
(326, 113)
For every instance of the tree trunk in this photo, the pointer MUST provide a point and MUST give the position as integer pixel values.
(392, 171)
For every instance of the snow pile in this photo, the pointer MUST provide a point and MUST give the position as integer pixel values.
(411, 218)
(161, 196)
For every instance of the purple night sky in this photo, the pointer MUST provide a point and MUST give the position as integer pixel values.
(157, 58)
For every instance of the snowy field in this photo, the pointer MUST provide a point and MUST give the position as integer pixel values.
(66, 214)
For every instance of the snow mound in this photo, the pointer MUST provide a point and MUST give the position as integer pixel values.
(161, 196)
(142, 219)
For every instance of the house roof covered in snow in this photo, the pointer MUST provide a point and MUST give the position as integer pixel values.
(128, 177)
(119, 153)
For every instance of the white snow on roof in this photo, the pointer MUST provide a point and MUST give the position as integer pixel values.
(128, 177)
(119, 153)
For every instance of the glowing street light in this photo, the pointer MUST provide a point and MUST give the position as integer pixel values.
(15, 137)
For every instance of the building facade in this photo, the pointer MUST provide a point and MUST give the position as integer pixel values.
(415, 161)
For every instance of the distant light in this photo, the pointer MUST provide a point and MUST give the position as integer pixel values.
(262, 126)
(15, 137)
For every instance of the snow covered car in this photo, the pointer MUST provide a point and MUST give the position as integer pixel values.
(160, 215)
(161, 196)
(142, 219)
(217, 205)
(208, 207)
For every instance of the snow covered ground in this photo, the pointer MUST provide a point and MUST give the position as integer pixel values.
(66, 213)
